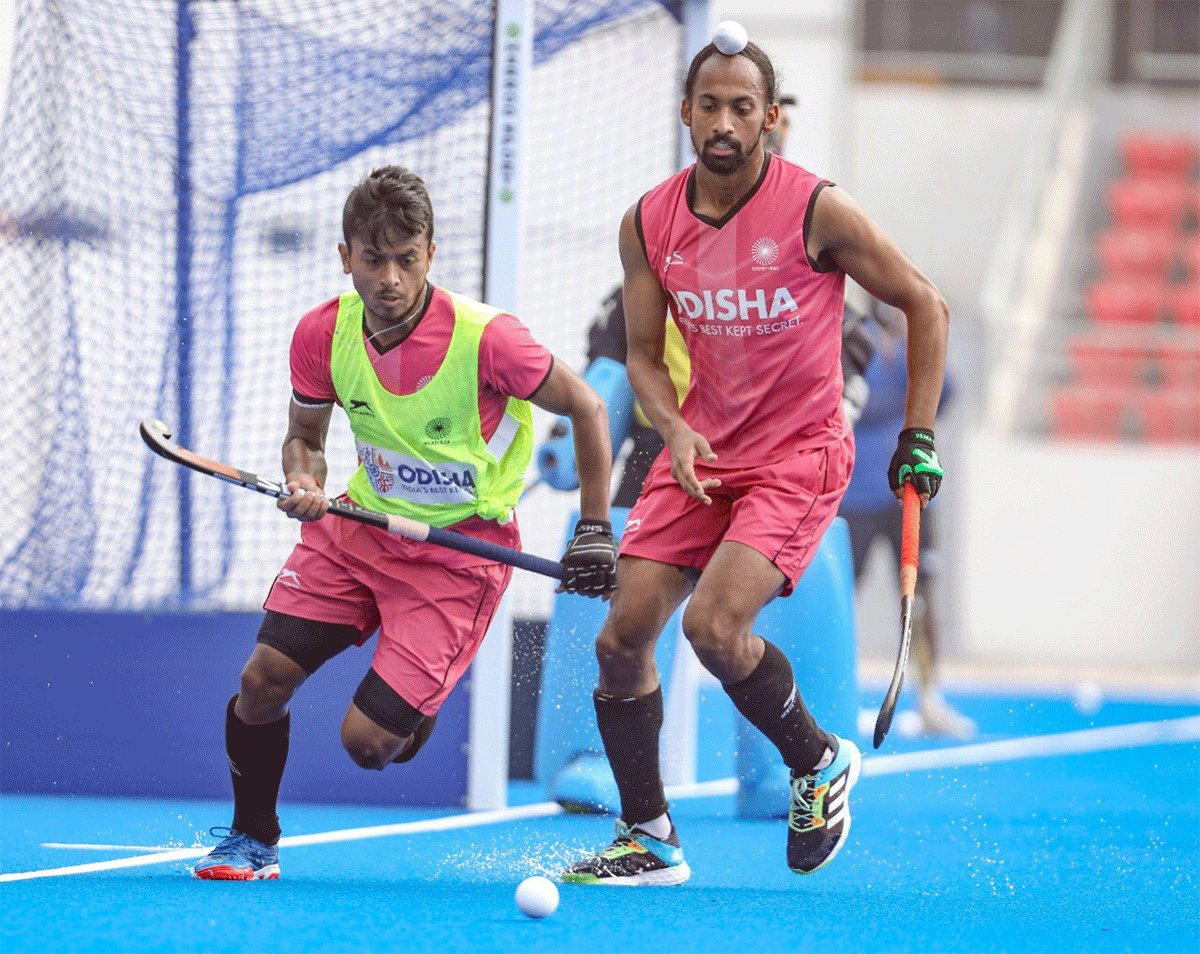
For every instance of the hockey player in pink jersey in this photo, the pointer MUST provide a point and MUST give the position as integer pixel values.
(749, 254)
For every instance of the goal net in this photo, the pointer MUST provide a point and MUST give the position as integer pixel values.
(172, 175)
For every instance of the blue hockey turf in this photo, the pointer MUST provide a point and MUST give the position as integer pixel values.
(1053, 831)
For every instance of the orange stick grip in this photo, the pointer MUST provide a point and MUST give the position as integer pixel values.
(910, 541)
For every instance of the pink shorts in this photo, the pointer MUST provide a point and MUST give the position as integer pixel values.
(431, 617)
(781, 510)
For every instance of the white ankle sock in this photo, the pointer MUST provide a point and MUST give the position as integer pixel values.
(826, 759)
(659, 827)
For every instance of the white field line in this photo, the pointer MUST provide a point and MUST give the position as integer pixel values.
(1129, 736)
(1133, 735)
(445, 823)
(75, 846)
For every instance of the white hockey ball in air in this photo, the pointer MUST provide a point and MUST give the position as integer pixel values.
(537, 897)
(730, 37)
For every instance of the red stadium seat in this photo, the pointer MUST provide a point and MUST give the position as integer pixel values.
(1149, 202)
(1101, 362)
(1147, 253)
(1169, 153)
(1179, 366)
(1088, 414)
(1170, 417)
(1183, 304)
(1122, 301)
(1189, 254)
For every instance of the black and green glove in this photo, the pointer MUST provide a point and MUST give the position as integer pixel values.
(590, 563)
(915, 460)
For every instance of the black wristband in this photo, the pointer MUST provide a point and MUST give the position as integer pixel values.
(593, 526)
(917, 433)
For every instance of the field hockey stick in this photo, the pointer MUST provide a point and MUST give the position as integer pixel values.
(910, 541)
(157, 436)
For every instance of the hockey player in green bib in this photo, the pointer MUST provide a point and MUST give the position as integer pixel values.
(437, 389)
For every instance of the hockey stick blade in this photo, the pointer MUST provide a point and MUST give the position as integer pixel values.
(157, 436)
(910, 539)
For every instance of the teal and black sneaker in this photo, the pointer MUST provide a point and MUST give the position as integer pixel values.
(238, 858)
(819, 814)
(633, 858)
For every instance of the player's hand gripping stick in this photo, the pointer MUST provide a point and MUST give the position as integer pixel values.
(157, 436)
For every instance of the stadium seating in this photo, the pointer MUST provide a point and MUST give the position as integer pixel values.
(1169, 416)
(1151, 253)
(1179, 366)
(1100, 361)
(1150, 201)
(1126, 301)
(1135, 365)
(1159, 153)
(1183, 304)
(1189, 256)
(1084, 413)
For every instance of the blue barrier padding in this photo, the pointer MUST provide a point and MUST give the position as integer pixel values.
(566, 724)
(556, 456)
(815, 628)
(133, 704)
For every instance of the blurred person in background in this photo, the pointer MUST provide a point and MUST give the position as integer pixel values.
(870, 508)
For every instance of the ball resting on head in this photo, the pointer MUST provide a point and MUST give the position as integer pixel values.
(730, 37)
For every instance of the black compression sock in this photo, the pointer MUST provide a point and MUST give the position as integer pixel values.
(257, 754)
(769, 699)
(630, 728)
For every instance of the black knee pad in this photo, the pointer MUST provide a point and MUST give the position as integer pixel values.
(306, 642)
(380, 703)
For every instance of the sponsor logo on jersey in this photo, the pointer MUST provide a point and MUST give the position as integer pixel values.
(734, 304)
(290, 578)
(675, 258)
(360, 407)
(393, 474)
(764, 252)
(438, 430)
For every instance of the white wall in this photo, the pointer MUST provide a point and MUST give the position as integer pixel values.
(933, 166)
(1080, 554)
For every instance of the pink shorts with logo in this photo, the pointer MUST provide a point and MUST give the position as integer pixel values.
(780, 509)
(431, 617)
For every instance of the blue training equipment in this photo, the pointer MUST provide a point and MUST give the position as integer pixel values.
(556, 456)
(569, 755)
(815, 628)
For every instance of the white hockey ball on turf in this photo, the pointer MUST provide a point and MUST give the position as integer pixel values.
(537, 897)
(730, 37)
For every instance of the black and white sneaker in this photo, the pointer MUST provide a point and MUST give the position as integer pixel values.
(633, 858)
(819, 814)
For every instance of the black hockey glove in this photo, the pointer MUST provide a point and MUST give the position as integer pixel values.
(590, 563)
(915, 460)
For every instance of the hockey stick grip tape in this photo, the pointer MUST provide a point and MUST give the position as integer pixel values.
(910, 540)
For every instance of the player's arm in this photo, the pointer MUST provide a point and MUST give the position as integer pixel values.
(841, 234)
(590, 561)
(304, 464)
(565, 392)
(645, 331)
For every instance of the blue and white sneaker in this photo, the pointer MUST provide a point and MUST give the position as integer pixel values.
(819, 814)
(633, 858)
(238, 858)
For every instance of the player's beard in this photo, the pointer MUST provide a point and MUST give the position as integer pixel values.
(724, 165)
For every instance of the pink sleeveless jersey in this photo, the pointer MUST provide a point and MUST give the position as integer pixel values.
(763, 326)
